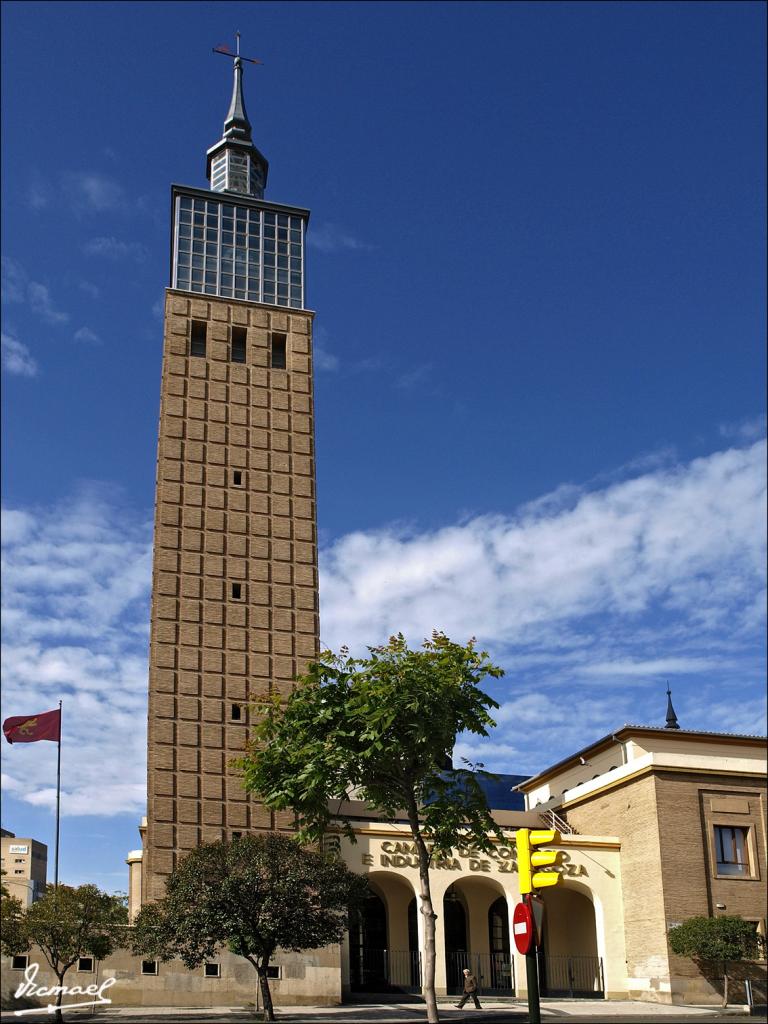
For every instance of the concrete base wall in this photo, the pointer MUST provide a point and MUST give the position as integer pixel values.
(312, 978)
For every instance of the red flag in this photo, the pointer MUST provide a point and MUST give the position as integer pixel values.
(29, 728)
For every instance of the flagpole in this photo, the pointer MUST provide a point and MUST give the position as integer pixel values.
(58, 804)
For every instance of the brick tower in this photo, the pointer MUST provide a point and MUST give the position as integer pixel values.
(234, 581)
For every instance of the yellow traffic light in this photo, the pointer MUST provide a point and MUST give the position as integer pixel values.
(528, 859)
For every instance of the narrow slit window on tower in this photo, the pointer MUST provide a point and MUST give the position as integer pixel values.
(237, 477)
(278, 361)
(236, 713)
(197, 338)
(237, 591)
(237, 351)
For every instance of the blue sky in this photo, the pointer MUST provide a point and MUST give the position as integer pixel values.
(537, 259)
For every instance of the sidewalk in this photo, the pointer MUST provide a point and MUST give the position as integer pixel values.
(493, 1012)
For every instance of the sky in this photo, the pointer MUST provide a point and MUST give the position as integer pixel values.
(537, 257)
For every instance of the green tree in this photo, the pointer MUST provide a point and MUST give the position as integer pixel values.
(715, 940)
(384, 725)
(65, 924)
(253, 895)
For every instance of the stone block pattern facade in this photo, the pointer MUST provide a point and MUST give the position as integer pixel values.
(234, 584)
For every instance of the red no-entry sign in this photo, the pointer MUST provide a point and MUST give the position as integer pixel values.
(522, 927)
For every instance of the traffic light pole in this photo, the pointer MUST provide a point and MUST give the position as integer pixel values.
(532, 977)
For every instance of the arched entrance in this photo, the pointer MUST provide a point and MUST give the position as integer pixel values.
(367, 943)
(476, 924)
(383, 938)
(569, 964)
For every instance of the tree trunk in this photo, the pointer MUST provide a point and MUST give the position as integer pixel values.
(429, 917)
(266, 995)
(59, 997)
(725, 984)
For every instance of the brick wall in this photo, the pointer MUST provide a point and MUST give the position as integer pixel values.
(208, 649)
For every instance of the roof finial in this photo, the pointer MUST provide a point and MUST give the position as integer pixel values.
(672, 722)
(236, 123)
(234, 164)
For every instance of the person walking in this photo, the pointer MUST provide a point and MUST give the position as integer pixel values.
(470, 989)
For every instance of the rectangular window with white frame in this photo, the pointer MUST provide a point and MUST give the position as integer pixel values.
(732, 850)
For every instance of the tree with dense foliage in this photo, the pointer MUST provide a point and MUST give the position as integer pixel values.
(65, 924)
(715, 940)
(253, 895)
(384, 726)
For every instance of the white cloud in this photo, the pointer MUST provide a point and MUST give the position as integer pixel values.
(41, 303)
(114, 249)
(85, 334)
(38, 195)
(414, 378)
(75, 618)
(745, 430)
(90, 289)
(14, 281)
(589, 603)
(89, 191)
(332, 238)
(324, 360)
(17, 358)
(647, 669)
(686, 542)
(17, 288)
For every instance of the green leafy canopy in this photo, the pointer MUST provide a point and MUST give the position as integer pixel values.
(384, 726)
(253, 895)
(721, 940)
(67, 923)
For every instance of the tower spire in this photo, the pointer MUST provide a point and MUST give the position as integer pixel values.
(236, 124)
(234, 164)
(672, 722)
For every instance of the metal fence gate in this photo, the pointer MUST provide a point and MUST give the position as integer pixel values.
(495, 973)
(571, 976)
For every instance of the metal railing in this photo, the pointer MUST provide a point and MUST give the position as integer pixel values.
(553, 820)
(384, 970)
(571, 976)
(495, 972)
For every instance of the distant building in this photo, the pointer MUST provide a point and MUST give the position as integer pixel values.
(25, 862)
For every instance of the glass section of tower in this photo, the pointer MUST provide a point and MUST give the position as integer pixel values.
(238, 252)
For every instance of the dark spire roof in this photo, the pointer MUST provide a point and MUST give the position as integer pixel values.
(237, 125)
(672, 722)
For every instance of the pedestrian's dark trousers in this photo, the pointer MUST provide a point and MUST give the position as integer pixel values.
(466, 996)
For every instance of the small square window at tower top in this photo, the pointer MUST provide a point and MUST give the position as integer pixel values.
(197, 338)
(237, 477)
(237, 591)
(236, 713)
(237, 350)
(279, 346)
